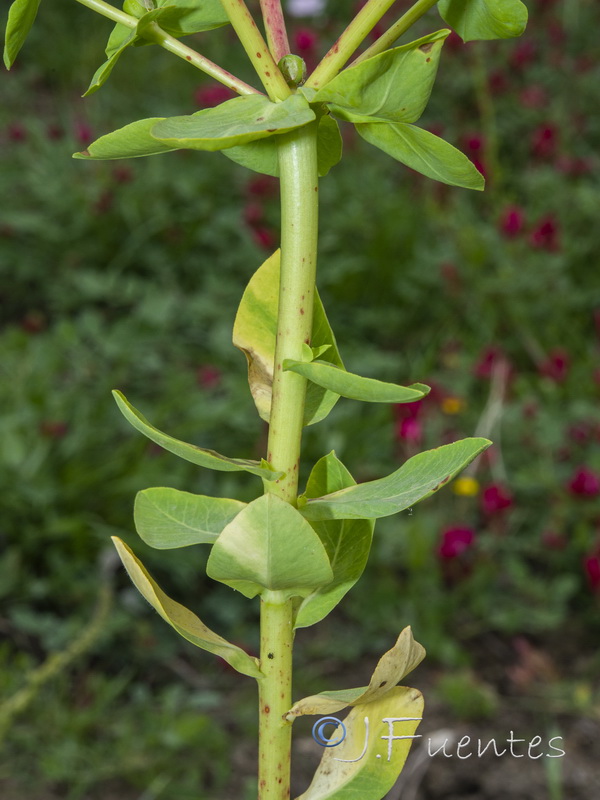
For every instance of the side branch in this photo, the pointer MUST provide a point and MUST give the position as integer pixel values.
(173, 45)
(277, 36)
(399, 28)
(351, 38)
(256, 48)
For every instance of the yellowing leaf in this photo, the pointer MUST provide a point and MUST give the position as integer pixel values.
(366, 764)
(392, 667)
(185, 622)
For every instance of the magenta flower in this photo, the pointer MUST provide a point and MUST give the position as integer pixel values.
(495, 498)
(209, 376)
(488, 358)
(556, 366)
(512, 221)
(212, 95)
(306, 40)
(545, 236)
(409, 430)
(544, 141)
(591, 567)
(585, 482)
(455, 541)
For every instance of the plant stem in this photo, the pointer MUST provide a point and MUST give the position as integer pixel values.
(299, 221)
(405, 22)
(355, 33)
(275, 698)
(173, 45)
(255, 46)
(275, 28)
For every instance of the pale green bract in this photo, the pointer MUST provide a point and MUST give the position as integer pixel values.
(391, 87)
(484, 19)
(21, 17)
(347, 543)
(191, 452)
(234, 122)
(417, 478)
(185, 622)
(168, 518)
(270, 547)
(424, 152)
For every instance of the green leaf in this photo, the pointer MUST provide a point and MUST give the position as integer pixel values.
(190, 452)
(234, 122)
(167, 518)
(347, 543)
(366, 764)
(255, 332)
(391, 87)
(269, 546)
(417, 478)
(392, 667)
(423, 152)
(484, 19)
(131, 141)
(184, 17)
(21, 16)
(185, 622)
(353, 386)
(261, 156)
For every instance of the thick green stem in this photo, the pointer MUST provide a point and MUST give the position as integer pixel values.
(299, 220)
(360, 27)
(174, 46)
(399, 28)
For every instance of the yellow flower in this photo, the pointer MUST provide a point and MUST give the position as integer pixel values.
(452, 405)
(466, 486)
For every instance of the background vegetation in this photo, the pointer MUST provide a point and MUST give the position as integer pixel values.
(128, 274)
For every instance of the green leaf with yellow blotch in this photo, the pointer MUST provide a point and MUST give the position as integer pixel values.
(167, 518)
(262, 156)
(191, 452)
(21, 16)
(234, 122)
(355, 387)
(417, 478)
(392, 667)
(270, 547)
(393, 86)
(347, 543)
(255, 333)
(424, 152)
(484, 19)
(366, 764)
(185, 622)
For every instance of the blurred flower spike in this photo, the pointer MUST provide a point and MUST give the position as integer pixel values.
(455, 541)
(495, 498)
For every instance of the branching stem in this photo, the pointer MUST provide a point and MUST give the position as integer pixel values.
(360, 27)
(399, 28)
(173, 45)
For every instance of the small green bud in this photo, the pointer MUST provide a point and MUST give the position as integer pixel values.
(293, 70)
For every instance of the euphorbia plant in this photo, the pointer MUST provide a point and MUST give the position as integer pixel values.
(299, 552)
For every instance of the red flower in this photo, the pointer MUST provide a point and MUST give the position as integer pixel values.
(488, 358)
(305, 40)
(544, 141)
(533, 96)
(553, 540)
(212, 95)
(512, 221)
(409, 430)
(454, 542)
(556, 366)
(545, 235)
(17, 132)
(495, 498)
(253, 213)
(83, 132)
(498, 82)
(591, 566)
(262, 186)
(265, 238)
(523, 54)
(585, 482)
(53, 430)
(209, 376)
